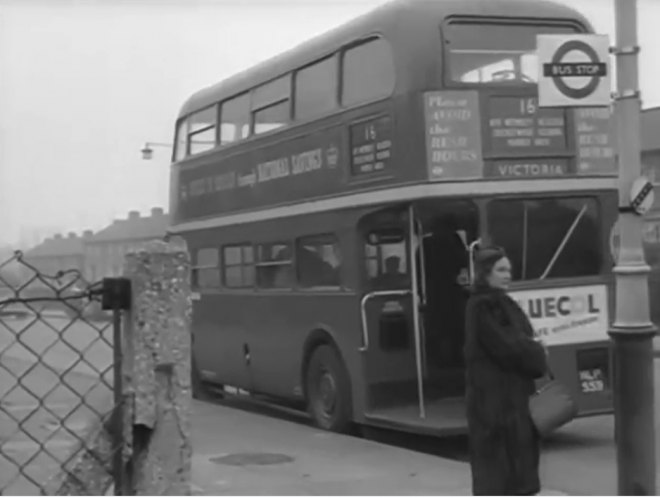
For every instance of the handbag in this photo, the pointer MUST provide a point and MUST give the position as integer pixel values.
(551, 406)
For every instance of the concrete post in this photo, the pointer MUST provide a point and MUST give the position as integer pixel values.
(157, 371)
(632, 330)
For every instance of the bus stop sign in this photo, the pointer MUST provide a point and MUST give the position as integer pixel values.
(573, 70)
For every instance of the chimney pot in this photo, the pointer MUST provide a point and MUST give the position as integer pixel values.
(133, 215)
(157, 211)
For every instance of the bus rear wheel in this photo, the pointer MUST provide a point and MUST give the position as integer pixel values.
(328, 390)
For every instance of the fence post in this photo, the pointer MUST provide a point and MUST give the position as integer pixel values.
(157, 371)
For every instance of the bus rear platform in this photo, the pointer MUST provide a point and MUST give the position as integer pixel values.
(443, 417)
(237, 451)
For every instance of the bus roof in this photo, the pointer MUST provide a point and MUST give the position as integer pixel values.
(402, 13)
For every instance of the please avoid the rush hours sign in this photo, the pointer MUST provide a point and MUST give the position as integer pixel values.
(574, 70)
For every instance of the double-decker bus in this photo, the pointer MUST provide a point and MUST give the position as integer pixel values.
(331, 197)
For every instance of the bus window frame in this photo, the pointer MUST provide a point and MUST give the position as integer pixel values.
(548, 282)
(215, 126)
(253, 120)
(221, 103)
(329, 238)
(291, 263)
(363, 40)
(272, 101)
(195, 269)
(334, 56)
(223, 266)
(445, 57)
(177, 131)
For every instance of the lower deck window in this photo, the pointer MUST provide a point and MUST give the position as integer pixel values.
(238, 266)
(318, 261)
(274, 266)
(206, 269)
(386, 258)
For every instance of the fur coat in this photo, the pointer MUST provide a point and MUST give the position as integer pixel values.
(502, 361)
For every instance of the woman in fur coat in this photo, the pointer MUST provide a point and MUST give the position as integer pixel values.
(502, 361)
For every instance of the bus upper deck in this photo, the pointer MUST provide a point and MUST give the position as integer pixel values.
(406, 95)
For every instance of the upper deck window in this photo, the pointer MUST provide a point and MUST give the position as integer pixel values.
(367, 72)
(483, 52)
(271, 105)
(548, 238)
(235, 119)
(316, 89)
(271, 117)
(202, 131)
(271, 92)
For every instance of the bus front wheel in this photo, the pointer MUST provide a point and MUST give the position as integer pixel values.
(328, 390)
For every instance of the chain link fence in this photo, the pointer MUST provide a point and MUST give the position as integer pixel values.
(59, 381)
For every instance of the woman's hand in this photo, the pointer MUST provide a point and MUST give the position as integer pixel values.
(542, 343)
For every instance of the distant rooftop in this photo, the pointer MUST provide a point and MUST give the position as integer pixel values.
(134, 227)
(59, 245)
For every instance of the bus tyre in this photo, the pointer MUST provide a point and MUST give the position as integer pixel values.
(328, 390)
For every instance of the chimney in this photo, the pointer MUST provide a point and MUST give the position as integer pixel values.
(72, 235)
(157, 211)
(134, 215)
(58, 236)
(87, 234)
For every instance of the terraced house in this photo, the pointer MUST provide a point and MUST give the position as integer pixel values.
(104, 252)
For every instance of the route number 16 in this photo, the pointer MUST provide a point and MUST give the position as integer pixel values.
(528, 106)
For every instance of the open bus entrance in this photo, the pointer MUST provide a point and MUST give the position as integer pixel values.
(413, 314)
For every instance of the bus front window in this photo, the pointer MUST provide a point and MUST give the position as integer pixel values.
(491, 53)
(548, 238)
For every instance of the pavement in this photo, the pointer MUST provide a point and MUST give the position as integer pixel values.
(240, 452)
(236, 452)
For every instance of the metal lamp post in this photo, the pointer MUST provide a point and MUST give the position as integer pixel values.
(632, 331)
(147, 149)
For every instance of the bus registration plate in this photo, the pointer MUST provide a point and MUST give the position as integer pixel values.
(592, 380)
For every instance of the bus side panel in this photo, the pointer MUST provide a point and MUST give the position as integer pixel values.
(280, 325)
(219, 335)
(586, 370)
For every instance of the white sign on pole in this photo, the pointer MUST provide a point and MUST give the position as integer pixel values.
(574, 70)
(641, 195)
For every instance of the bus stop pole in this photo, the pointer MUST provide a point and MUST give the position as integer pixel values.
(631, 331)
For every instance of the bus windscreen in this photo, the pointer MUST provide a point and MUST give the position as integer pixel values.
(548, 238)
(487, 53)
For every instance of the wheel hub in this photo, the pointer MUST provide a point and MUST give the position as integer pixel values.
(327, 393)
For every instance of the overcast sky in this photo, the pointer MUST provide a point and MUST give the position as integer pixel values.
(84, 83)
